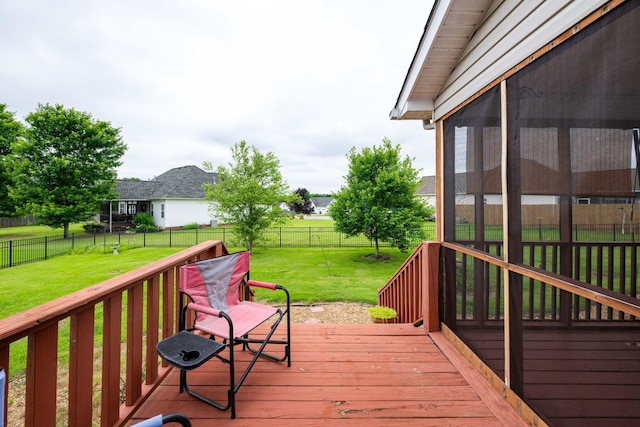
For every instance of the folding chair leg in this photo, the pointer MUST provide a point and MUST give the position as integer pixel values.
(231, 400)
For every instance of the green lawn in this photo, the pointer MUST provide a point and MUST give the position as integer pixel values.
(29, 285)
(30, 231)
(310, 275)
(333, 274)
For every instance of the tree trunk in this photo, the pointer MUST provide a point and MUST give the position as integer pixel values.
(377, 247)
(66, 230)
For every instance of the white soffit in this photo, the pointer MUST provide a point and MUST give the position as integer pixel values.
(449, 28)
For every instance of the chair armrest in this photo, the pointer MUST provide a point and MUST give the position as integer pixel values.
(265, 285)
(204, 309)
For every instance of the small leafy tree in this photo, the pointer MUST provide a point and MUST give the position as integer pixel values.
(10, 132)
(304, 205)
(65, 166)
(249, 193)
(379, 199)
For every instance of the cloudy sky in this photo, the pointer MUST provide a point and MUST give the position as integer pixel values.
(186, 80)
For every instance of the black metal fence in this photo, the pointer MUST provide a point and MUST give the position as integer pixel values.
(22, 251)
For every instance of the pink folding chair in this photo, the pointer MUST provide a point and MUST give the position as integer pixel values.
(212, 287)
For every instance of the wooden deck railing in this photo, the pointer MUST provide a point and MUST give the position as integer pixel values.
(610, 266)
(413, 290)
(145, 297)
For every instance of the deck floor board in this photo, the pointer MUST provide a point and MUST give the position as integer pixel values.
(343, 375)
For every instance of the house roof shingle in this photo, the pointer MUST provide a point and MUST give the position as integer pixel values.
(183, 182)
(321, 202)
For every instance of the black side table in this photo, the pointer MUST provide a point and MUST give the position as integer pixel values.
(187, 351)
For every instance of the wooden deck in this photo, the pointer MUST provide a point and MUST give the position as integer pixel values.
(355, 375)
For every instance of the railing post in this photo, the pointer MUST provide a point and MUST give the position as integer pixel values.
(81, 368)
(431, 276)
(42, 370)
(112, 321)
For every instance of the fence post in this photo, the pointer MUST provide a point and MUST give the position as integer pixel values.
(10, 253)
(46, 247)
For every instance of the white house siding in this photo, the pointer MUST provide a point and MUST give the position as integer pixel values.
(178, 213)
(156, 212)
(512, 31)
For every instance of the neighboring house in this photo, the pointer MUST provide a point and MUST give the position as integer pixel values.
(427, 191)
(174, 199)
(536, 208)
(321, 204)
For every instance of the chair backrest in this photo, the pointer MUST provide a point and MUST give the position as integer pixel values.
(215, 281)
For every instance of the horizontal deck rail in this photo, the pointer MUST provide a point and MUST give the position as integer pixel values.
(602, 273)
(146, 298)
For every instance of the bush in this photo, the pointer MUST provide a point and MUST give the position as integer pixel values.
(193, 226)
(93, 227)
(382, 313)
(144, 223)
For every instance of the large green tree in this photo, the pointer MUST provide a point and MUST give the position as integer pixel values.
(65, 166)
(10, 132)
(379, 199)
(249, 192)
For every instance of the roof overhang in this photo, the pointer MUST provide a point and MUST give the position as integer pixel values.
(447, 32)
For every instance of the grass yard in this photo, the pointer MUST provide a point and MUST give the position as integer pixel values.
(31, 231)
(330, 274)
(310, 275)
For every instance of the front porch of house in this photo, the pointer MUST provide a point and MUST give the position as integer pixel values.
(118, 215)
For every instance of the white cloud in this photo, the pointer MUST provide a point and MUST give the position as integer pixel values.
(187, 80)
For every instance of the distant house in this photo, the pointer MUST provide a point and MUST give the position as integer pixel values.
(427, 190)
(174, 199)
(321, 204)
